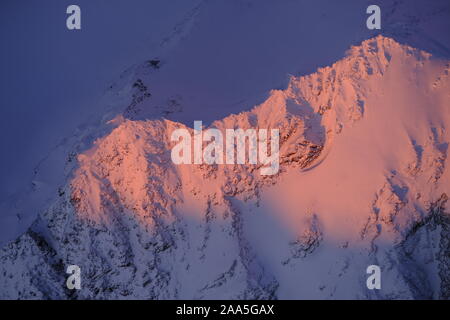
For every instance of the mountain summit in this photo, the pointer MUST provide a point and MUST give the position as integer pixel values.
(363, 181)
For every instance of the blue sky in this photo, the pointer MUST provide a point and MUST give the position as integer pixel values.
(48, 73)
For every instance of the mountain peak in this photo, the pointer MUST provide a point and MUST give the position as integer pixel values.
(346, 196)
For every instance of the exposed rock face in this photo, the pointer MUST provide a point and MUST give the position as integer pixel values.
(363, 180)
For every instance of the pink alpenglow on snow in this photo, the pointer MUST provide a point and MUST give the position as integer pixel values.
(358, 175)
(235, 150)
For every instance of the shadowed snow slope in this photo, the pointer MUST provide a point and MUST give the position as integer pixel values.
(363, 180)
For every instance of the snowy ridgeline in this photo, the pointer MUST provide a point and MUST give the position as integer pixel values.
(363, 180)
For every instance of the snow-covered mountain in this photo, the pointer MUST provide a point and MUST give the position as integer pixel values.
(363, 181)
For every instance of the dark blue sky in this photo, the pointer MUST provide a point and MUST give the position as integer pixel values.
(48, 73)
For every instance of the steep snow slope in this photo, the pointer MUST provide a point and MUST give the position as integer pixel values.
(363, 180)
(221, 57)
(54, 80)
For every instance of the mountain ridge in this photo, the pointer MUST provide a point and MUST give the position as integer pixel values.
(141, 227)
